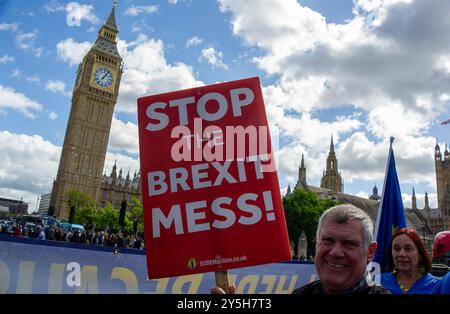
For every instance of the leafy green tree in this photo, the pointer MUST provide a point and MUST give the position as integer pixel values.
(87, 216)
(90, 215)
(108, 217)
(135, 212)
(302, 210)
(79, 200)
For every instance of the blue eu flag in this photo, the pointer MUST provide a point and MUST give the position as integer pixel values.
(391, 214)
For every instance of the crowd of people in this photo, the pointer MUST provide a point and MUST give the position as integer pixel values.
(90, 236)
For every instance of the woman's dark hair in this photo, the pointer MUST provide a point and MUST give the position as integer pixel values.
(424, 259)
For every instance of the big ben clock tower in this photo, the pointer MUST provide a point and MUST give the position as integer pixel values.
(86, 139)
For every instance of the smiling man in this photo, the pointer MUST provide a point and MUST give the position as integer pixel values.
(344, 248)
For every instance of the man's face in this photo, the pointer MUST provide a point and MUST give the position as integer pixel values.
(341, 259)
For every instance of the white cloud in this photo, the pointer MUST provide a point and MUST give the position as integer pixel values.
(29, 163)
(388, 66)
(123, 137)
(10, 99)
(72, 52)
(362, 194)
(27, 41)
(76, 13)
(56, 86)
(18, 74)
(141, 26)
(327, 65)
(213, 57)
(52, 115)
(362, 159)
(123, 162)
(310, 132)
(141, 78)
(54, 6)
(6, 59)
(193, 41)
(9, 27)
(33, 78)
(135, 10)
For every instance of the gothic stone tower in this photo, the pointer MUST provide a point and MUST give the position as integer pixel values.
(331, 177)
(442, 166)
(93, 100)
(301, 183)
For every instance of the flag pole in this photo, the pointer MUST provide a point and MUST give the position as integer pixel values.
(384, 188)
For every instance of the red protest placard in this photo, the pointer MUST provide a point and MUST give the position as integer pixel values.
(210, 191)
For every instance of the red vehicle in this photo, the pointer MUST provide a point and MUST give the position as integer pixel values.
(441, 248)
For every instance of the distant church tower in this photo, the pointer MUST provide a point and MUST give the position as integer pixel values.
(442, 166)
(94, 97)
(414, 200)
(301, 183)
(331, 177)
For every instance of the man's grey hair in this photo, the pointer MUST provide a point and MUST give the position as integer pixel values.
(341, 214)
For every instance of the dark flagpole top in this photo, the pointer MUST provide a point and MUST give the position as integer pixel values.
(392, 140)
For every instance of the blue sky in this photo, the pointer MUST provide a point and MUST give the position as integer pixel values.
(360, 70)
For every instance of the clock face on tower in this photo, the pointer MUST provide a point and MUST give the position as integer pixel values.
(103, 77)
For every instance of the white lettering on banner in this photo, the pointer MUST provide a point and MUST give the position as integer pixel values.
(224, 212)
(197, 212)
(240, 97)
(73, 279)
(173, 217)
(192, 216)
(181, 104)
(201, 173)
(161, 117)
(249, 208)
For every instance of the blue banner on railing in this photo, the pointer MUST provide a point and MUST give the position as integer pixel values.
(36, 266)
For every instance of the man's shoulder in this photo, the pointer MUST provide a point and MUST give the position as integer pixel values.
(374, 290)
(314, 287)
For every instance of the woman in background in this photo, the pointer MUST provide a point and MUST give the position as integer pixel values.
(410, 266)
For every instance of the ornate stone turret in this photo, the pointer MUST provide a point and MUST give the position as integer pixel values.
(288, 192)
(375, 195)
(114, 187)
(114, 171)
(331, 177)
(427, 203)
(414, 200)
(301, 183)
